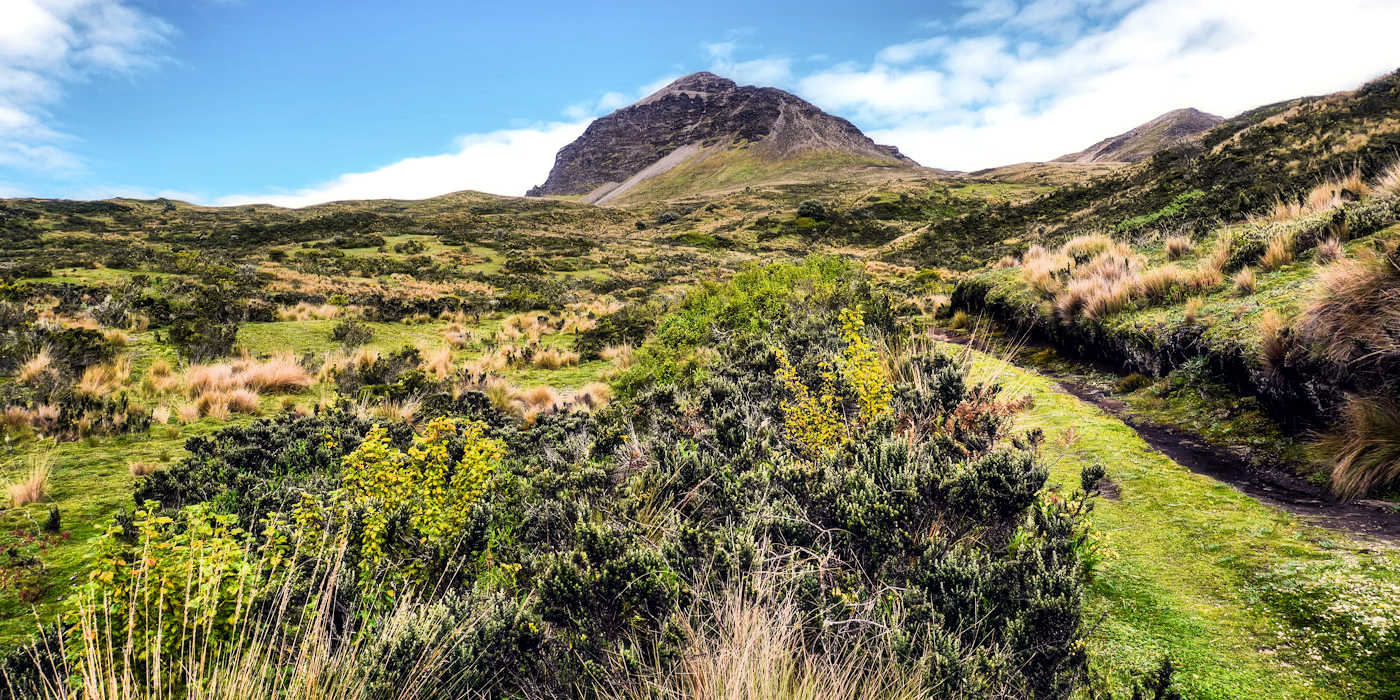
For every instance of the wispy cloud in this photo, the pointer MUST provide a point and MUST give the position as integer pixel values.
(46, 45)
(1034, 80)
(508, 162)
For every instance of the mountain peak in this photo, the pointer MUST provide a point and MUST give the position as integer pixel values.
(697, 117)
(1142, 141)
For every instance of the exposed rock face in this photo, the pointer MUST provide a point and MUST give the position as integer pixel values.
(1140, 143)
(699, 111)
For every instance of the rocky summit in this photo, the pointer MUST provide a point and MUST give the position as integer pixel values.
(693, 117)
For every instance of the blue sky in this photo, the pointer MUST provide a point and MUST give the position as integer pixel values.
(226, 101)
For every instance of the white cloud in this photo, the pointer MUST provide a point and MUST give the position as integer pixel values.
(995, 97)
(47, 44)
(878, 93)
(506, 162)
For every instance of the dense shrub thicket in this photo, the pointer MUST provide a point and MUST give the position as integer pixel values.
(764, 449)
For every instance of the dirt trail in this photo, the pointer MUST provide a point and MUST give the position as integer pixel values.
(1368, 519)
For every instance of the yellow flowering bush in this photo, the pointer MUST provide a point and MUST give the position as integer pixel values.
(812, 421)
(435, 492)
(862, 371)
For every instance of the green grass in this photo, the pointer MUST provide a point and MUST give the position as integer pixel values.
(89, 482)
(1184, 557)
(314, 336)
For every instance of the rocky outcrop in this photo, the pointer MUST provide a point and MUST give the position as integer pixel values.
(701, 111)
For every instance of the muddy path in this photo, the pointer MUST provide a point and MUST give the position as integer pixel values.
(1282, 489)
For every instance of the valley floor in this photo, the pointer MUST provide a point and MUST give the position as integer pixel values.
(1247, 600)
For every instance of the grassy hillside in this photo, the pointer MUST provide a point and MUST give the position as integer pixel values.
(1240, 168)
(698, 440)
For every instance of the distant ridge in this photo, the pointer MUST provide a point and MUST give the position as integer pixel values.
(698, 117)
(1141, 142)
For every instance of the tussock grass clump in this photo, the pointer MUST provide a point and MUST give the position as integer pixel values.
(554, 358)
(188, 412)
(304, 311)
(1330, 251)
(142, 468)
(346, 360)
(35, 484)
(1192, 312)
(404, 411)
(1042, 270)
(116, 337)
(1177, 246)
(35, 367)
(1274, 340)
(1279, 252)
(219, 404)
(101, 380)
(1245, 281)
(1354, 319)
(438, 362)
(1160, 284)
(620, 355)
(1388, 182)
(276, 374)
(1087, 246)
(1322, 197)
(751, 645)
(15, 418)
(1366, 445)
(592, 396)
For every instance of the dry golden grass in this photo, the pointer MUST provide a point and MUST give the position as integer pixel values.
(592, 396)
(438, 363)
(15, 418)
(1159, 284)
(1353, 318)
(1192, 312)
(1388, 182)
(1326, 195)
(142, 468)
(160, 414)
(1366, 447)
(101, 380)
(304, 311)
(1177, 246)
(457, 335)
(554, 358)
(1330, 251)
(749, 645)
(1244, 281)
(276, 374)
(1278, 253)
(44, 417)
(1086, 246)
(398, 411)
(1042, 270)
(35, 484)
(189, 412)
(343, 360)
(578, 324)
(1274, 340)
(620, 355)
(219, 404)
(116, 337)
(35, 367)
